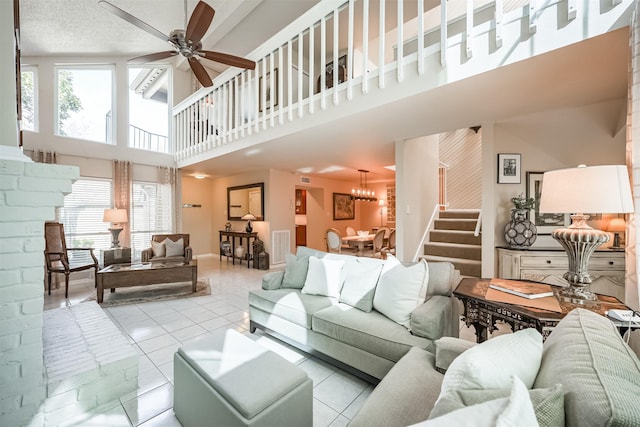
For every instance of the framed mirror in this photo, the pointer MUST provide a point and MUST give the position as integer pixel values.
(245, 199)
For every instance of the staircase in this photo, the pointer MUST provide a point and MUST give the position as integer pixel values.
(452, 240)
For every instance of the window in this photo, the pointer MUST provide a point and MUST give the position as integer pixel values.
(152, 212)
(149, 108)
(82, 214)
(84, 103)
(29, 83)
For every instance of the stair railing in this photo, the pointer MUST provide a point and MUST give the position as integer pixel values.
(436, 210)
(476, 232)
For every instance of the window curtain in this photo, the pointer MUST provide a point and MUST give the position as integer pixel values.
(632, 298)
(170, 177)
(122, 188)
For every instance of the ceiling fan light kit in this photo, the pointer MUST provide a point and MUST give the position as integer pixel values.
(184, 42)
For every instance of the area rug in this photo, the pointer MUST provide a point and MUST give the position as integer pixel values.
(160, 292)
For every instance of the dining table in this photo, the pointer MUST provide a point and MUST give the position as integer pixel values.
(358, 241)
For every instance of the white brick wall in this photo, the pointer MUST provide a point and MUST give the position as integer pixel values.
(30, 193)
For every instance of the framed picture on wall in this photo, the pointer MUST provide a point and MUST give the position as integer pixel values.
(344, 206)
(509, 168)
(544, 222)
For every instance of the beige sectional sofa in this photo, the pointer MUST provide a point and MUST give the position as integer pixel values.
(351, 324)
(583, 375)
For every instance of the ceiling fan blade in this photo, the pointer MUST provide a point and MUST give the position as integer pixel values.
(224, 58)
(133, 20)
(200, 73)
(199, 22)
(152, 57)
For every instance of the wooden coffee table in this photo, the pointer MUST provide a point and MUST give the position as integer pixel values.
(482, 313)
(142, 274)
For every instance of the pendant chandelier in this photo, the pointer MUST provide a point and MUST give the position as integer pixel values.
(362, 192)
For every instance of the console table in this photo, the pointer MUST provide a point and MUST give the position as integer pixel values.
(547, 265)
(483, 313)
(232, 236)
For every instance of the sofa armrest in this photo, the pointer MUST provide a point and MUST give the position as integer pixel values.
(272, 280)
(146, 255)
(188, 254)
(431, 319)
(443, 278)
(447, 349)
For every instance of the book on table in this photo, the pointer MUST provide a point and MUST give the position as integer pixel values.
(522, 289)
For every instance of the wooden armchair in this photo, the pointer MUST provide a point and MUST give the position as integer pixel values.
(60, 259)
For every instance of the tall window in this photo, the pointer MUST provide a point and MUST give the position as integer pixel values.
(149, 108)
(82, 214)
(29, 82)
(84, 103)
(152, 209)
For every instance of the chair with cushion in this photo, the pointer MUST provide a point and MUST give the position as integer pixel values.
(60, 259)
(378, 244)
(168, 247)
(350, 231)
(334, 240)
(390, 248)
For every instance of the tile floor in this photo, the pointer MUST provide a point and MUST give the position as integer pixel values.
(157, 329)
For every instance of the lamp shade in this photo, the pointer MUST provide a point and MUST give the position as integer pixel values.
(593, 189)
(616, 225)
(249, 217)
(116, 216)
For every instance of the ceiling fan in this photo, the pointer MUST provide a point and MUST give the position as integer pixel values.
(185, 42)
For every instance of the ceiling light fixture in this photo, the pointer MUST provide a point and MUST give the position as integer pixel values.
(363, 192)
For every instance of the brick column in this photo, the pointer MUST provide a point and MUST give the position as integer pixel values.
(29, 194)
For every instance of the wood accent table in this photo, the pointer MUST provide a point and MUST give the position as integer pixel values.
(148, 273)
(233, 235)
(482, 313)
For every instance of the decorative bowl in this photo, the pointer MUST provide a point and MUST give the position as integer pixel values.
(362, 233)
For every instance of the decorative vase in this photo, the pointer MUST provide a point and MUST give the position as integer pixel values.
(240, 252)
(520, 233)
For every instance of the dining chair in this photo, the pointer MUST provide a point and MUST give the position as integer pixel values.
(60, 259)
(378, 244)
(390, 248)
(350, 231)
(334, 240)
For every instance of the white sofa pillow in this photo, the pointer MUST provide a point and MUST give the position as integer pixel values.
(158, 248)
(491, 364)
(401, 290)
(323, 277)
(175, 248)
(515, 410)
(360, 285)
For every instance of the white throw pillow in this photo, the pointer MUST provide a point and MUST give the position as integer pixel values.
(492, 363)
(513, 411)
(360, 285)
(323, 277)
(158, 248)
(175, 248)
(401, 290)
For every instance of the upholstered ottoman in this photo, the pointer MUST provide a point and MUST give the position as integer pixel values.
(229, 380)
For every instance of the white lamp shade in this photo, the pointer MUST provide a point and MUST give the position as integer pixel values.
(593, 189)
(116, 216)
(249, 217)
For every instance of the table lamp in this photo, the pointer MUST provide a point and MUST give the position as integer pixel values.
(115, 217)
(249, 217)
(616, 226)
(595, 189)
(381, 204)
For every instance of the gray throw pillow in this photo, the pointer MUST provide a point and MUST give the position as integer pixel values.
(548, 403)
(295, 271)
(360, 285)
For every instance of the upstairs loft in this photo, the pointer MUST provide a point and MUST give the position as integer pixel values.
(388, 70)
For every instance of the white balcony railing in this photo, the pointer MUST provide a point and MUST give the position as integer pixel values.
(375, 43)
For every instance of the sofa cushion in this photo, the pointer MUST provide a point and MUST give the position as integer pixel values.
(158, 248)
(290, 304)
(371, 332)
(492, 363)
(516, 410)
(548, 403)
(324, 277)
(599, 372)
(360, 284)
(174, 248)
(295, 272)
(400, 290)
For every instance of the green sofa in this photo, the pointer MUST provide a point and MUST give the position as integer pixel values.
(587, 376)
(367, 343)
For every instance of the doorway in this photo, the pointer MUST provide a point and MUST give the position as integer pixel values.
(301, 217)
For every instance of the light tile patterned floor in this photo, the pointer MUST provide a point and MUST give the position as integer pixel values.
(157, 329)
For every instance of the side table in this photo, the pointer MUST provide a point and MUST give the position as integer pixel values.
(483, 313)
(233, 235)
